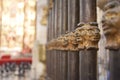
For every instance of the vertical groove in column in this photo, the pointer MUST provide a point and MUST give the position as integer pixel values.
(73, 57)
(60, 74)
(59, 31)
(69, 15)
(64, 17)
(60, 23)
(53, 37)
(63, 54)
(56, 17)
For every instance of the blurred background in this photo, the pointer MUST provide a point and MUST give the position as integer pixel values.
(23, 25)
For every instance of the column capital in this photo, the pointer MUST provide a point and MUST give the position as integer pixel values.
(90, 34)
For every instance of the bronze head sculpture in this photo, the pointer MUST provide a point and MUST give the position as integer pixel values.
(111, 24)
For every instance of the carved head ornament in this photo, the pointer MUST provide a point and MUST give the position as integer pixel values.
(111, 18)
(111, 24)
(90, 34)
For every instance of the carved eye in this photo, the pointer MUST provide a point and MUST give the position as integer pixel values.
(93, 23)
(80, 24)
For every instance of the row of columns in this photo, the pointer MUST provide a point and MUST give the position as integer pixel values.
(81, 65)
(65, 64)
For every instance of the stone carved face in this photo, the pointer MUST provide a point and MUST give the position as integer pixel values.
(92, 35)
(111, 18)
(67, 42)
(111, 24)
(89, 33)
(92, 32)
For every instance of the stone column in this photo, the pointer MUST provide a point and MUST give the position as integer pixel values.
(73, 56)
(90, 35)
